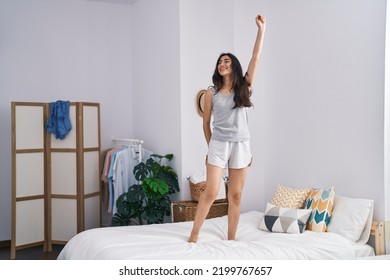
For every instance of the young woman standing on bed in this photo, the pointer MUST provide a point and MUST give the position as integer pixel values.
(228, 143)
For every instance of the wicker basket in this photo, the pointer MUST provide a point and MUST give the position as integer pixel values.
(196, 190)
(183, 211)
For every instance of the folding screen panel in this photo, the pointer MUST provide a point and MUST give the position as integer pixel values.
(56, 183)
(28, 175)
(62, 157)
(90, 166)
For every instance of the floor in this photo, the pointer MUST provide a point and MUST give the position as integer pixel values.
(35, 253)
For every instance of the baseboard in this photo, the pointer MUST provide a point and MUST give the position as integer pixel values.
(5, 244)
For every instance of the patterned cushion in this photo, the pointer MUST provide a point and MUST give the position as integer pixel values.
(281, 219)
(290, 197)
(320, 202)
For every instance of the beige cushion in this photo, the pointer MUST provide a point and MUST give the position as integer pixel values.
(290, 197)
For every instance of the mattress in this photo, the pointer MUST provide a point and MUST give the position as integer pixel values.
(168, 242)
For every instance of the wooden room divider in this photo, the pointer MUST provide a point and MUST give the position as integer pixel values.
(55, 183)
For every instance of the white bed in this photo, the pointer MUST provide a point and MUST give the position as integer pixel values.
(168, 242)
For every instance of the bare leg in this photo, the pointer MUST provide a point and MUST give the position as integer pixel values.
(213, 183)
(236, 184)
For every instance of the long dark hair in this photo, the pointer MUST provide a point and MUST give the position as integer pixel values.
(242, 93)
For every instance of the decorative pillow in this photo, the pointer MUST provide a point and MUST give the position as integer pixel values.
(366, 233)
(287, 220)
(290, 197)
(320, 202)
(350, 217)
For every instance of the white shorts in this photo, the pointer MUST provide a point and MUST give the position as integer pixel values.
(229, 154)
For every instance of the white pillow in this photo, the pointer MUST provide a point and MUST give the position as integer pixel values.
(367, 228)
(352, 218)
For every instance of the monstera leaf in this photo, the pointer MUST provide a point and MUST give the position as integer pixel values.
(148, 201)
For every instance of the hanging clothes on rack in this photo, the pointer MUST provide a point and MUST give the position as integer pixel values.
(118, 167)
(110, 178)
(123, 177)
(120, 142)
(108, 156)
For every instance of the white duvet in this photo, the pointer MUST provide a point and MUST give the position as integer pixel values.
(168, 242)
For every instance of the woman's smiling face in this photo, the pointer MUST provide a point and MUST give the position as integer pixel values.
(225, 65)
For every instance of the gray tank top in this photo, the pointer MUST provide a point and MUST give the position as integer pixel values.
(229, 125)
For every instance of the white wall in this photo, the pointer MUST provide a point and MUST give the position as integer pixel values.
(156, 77)
(75, 50)
(324, 96)
(318, 117)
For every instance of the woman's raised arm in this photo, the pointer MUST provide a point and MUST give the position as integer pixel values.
(252, 67)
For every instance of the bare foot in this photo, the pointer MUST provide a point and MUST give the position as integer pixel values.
(192, 239)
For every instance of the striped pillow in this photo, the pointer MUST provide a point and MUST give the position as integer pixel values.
(290, 197)
(320, 201)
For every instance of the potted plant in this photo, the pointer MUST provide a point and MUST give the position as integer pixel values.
(147, 202)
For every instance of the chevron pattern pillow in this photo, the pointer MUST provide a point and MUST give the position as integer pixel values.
(286, 220)
(290, 197)
(320, 202)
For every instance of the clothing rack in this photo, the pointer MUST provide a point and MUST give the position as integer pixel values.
(121, 142)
